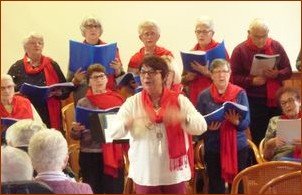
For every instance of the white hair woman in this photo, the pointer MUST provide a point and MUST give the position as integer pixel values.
(19, 134)
(15, 165)
(37, 69)
(224, 140)
(196, 82)
(14, 106)
(149, 33)
(49, 154)
(261, 89)
(92, 30)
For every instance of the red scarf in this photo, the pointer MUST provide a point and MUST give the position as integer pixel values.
(21, 109)
(51, 77)
(200, 82)
(297, 150)
(228, 134)
(272, 85)
(112, 153)
(136, 60)
(175, 133)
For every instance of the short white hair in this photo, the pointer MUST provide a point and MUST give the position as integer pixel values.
(258, 23)
(48, 150)
(91, 19)
(32, 35)
(15, 165)
(205, 21)
(7, 77)
(19, 134)
(146, 24)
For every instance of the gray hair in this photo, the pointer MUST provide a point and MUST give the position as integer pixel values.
(48, 150)
(7, 77)
(205, 21)
(30, 36)
(217, 63)
(258, 23)
(15, 165)
(146, 24)
(90, 20)
(19, 134)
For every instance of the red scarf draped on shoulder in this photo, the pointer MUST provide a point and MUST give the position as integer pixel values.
(112, 153)
(297, 150)
(228, 134)
(175, 134)
(200, 82)
(21, 109)
(51, 77)
(272, 85)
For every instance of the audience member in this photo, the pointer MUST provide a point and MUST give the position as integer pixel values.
(275, 147)
(196, 82)
(160, 122)
(19, 134)
(49, 154)
(226, 148)
(149, 34)
(40, 70)
(92, 30)
(260, 89)
(15, 165)
(101, 164)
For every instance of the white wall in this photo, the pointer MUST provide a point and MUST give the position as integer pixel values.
(59, 22)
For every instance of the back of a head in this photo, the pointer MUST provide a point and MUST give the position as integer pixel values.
(15, 165)
(19, 134)
(48, 150)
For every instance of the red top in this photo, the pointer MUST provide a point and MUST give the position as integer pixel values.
(136, 59)
(21, 109)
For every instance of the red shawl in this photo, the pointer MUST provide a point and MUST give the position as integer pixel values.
(51, 77)
(297, 150)
(21, 109)
(228, 134)
(175, 133)
(112, 153)
(136, 60)
(200, 82)
(272, 85)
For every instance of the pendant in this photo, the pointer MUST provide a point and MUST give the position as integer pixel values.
(159, 135)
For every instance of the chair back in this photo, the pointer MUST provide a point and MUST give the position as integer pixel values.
(200, 167)
(261, 150)
(73, 151)
(68, 116)
(254, 177)
(129, 187)
(289, 183)
(256, 152)
(25, 187)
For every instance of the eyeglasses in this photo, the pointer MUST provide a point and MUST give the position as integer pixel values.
(260, 36)
(147, 34)
(91, 26)
(7, 87)
(203, 32)
(289, 100)
(220, 71)
(95, 77)
(151, 73)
